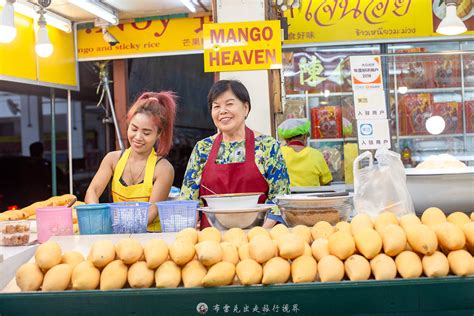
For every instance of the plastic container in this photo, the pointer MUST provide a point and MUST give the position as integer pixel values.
(14, 233)
(177, 215)
(129, 217)
(53, 221)
(94, 219)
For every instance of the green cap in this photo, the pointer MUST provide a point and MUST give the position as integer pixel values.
(293, 127)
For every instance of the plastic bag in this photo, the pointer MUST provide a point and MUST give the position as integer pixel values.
(381, 187)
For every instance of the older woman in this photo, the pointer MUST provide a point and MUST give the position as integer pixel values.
(236, 159)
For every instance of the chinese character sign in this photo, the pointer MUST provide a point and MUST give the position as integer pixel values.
(373, 134)
(366, 72)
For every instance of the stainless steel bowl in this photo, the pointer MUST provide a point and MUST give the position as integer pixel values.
(226, 219)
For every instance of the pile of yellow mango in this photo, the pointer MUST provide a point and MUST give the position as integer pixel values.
(381, 249)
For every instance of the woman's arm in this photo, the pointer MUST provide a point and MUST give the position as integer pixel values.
(164, 175)
(276, 172)
(101, 178)
(192, 176)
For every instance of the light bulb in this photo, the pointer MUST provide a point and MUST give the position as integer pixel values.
(43, 47)
(451, 24)
(402, 90)
(7, 25)
(435, 125)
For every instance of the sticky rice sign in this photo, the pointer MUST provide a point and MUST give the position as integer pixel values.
(242, 46)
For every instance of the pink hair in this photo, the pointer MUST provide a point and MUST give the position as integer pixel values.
(161, 106)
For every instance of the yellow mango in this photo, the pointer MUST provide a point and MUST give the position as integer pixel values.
(209, 233)
(304, 269)
(193, 273)
(394, 240)
(249, 272)
(139, 276)
(409, 265)
(244, 252)
(114, 276)
(368, 242)
(155, 252)
(468, 230)
(322, 229)
(278, 231)
(220, 274)
(261, 248)
(190, 234)
(302, 231)
(29, 277)
(460, 262)
(48, 255)
(459, 219)
(129, 250)
(433, 216)
(209, 252)
(357, 268)
(435, 265)
(57, 278)
(341, 245)
(257, 230)
(343, 227)
(320, 248)
(408, 220)
(384, 219)
(291, 246)
(472, 216)
(102, 252)
(422, 239)
(229, 252)
(73, 258)
(235, 236)
(182, 251)
(276, 270)
(168, 275)
(360, 221)
(450, 236)
(383, 267)
(330, 269)
(307, 250)
(85, 276)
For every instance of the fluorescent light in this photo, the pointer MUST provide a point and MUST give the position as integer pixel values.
(30, 10)
(435, 125)
(7, 24)
(43, 47)
(188, 5)
(451, 24)
(98, 9)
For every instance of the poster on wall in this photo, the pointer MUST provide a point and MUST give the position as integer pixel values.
(366, 72)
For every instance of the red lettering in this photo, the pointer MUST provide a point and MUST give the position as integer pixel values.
(147, 24)
(267, 33)
(248, 58)
(214, 58)
(255, 34)
(237, 58)
(270, 55)
(231, 36)
(217, 38)
(259, 56)
(243, 33)
(164, 23)
(226, 58)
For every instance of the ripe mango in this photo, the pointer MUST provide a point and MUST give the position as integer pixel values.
(276, 270)
(450, 236)
(182, 251)
(320, 248)
(394, 239)
(383, 267)
(189, 234)
(193, 273)
(48, 255)
(57, 278)
(468, 230)
(341, 245)
(257, 230)
(409, 265)
(291, 246)
(29, 277)
(85, 276)
(460, 262)
(368, 242)
(209, 233)
(139, 276)
(244, 252)
(435, 265)
(262, 248)
(155, 252)
(209, 252)
(343, 227)
(304, 269)
(73, 258)
(236, 236)
(408, 220)
(307, 250)
(433, 216)
(102, 252)
(458, 218)
(114, 276)
(322, 229)
(229, 252)
(278, 231)
(422, 239)
(330, 269)
(129, 250)
(249, 272)
(357, 268)
(220, 274)
(303, 231)
(384, 219)
(360, 221)
(168, 275)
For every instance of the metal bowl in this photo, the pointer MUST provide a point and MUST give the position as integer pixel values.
(239, 218)
(232, 200)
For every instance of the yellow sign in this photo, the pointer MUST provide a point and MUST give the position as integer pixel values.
(242, 46)
(354, 20)
(18, 60)
(146, 38)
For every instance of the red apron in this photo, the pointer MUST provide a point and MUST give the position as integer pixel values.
(237, 177)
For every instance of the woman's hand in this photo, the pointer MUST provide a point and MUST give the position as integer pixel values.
(101, 178)
(162, 182)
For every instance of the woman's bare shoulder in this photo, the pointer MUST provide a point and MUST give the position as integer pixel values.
(112, 157)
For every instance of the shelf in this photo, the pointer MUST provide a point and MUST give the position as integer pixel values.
(430, 136)
(433, 90)
(462, 157)
(319, 95)
(321, 140)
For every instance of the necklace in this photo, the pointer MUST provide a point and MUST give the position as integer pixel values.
(135, 180)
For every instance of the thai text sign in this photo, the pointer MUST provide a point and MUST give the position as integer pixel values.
(348, 20)
(139, 39)
(242, 46)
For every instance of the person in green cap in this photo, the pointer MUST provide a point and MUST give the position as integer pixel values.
(306, 165)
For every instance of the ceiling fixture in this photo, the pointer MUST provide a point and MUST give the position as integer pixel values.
(108, 37)
(43, 47)
(7, 24)
(435, 125)
(98, 9)
(188, 4)
(451, 24)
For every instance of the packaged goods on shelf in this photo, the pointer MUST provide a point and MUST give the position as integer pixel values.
(446, 71)
(451, 112)
(414, 69)
(326, 122)
(348, 117)
(469, 116)
(415, 110)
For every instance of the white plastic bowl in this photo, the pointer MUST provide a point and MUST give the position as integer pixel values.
(232, 200)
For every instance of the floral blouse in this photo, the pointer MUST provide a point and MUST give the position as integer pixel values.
(268, 159)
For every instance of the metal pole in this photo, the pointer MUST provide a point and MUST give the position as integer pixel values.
(112, 110)
(54, 190)
(69, 139)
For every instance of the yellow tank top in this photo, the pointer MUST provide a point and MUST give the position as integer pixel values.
(140, 192)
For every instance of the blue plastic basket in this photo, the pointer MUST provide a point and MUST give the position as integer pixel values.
(177, 215)
(94, 219)
(129, 217)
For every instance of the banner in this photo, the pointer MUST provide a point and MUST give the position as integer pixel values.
(145, 38)
(242, 46)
